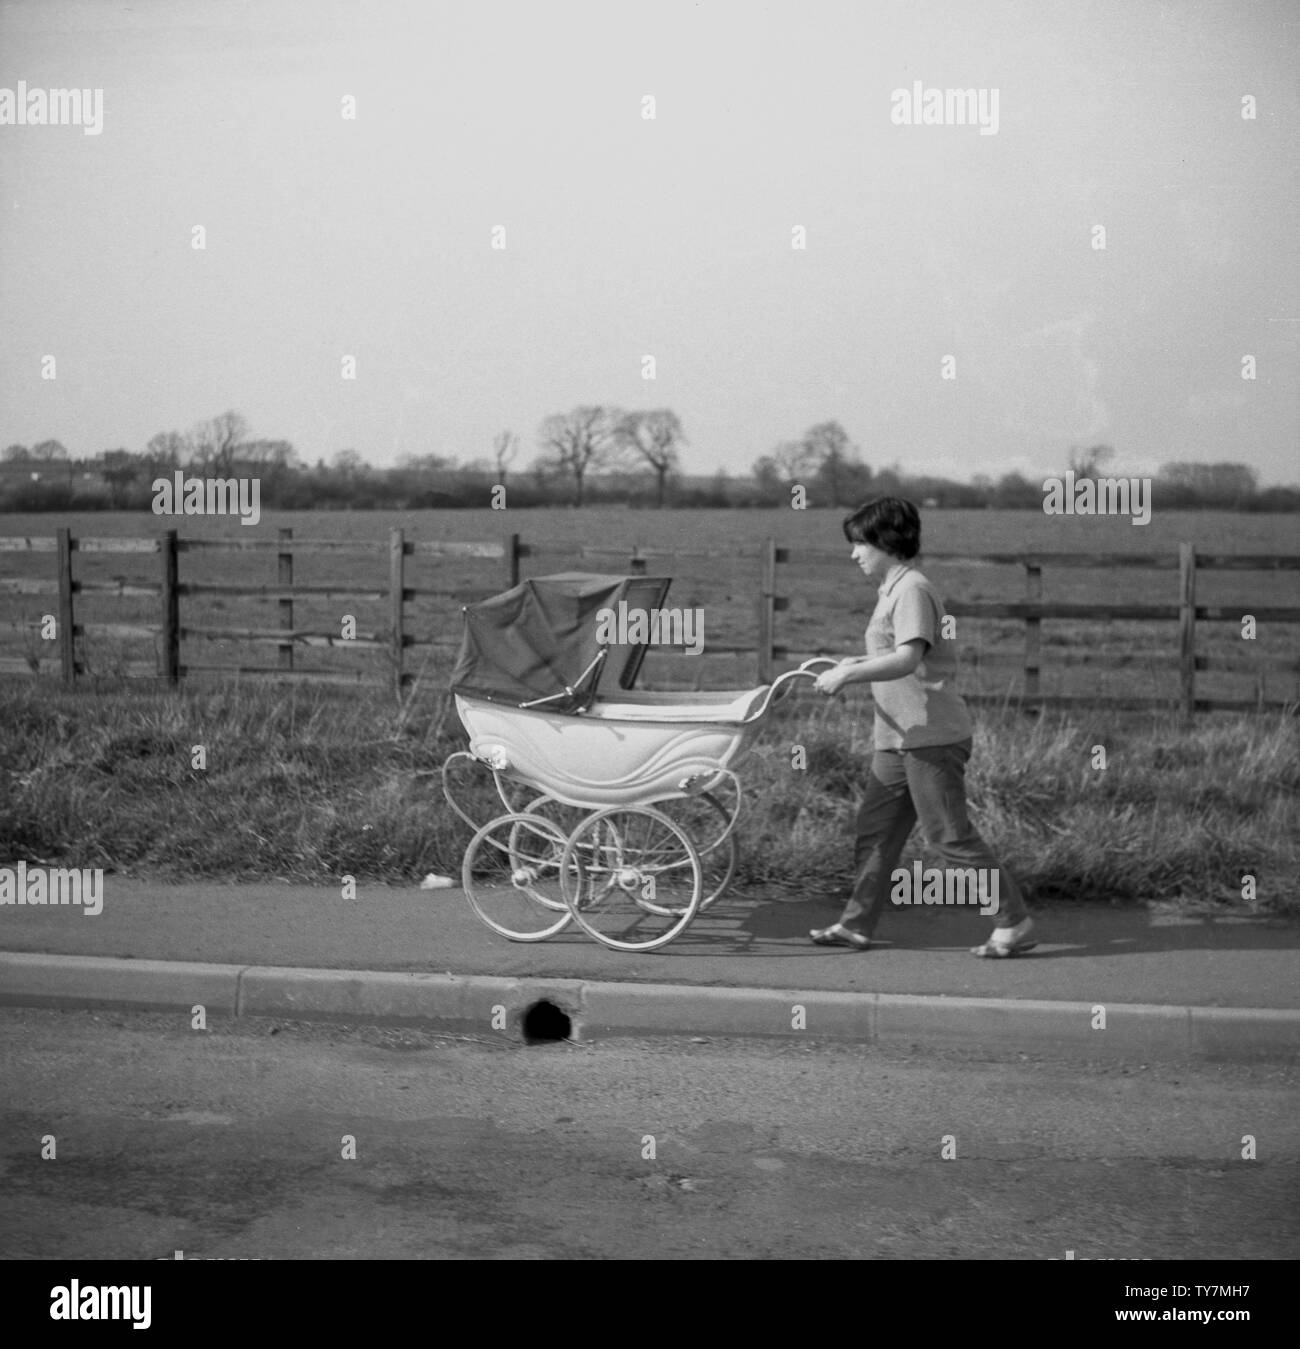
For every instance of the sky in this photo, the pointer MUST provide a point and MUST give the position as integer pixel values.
(628, 236)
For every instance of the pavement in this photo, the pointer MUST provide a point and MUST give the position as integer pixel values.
(1137, 982)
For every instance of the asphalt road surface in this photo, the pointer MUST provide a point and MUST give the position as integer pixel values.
(231, 1142)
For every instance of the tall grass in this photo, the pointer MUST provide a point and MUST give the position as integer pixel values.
(308, 783)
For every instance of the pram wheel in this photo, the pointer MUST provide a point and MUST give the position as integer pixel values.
(712, 828)
(631, 877)
(512, 879)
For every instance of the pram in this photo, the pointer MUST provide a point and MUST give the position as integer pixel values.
(620, 809)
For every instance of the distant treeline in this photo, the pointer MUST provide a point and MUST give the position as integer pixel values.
(588, 456)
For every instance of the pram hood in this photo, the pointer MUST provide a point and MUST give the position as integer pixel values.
(541, 640)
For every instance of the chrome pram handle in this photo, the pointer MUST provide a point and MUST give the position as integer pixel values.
(783, 683)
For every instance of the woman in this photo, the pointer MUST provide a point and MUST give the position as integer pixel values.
(922, 737)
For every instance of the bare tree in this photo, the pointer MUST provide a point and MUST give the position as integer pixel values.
(165, 451)
(826, 455)
(349, 464)
(793, 461)
(505, 445)
(16, 454)
(213, 443)
(268, 457)
(655, 436)
(580, 440)
(119, 469)
(835, 455)
(1085, 463)
(49, 451)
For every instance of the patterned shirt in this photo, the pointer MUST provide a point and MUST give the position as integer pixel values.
(924, 708)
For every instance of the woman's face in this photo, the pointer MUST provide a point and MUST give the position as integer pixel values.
(875, 562)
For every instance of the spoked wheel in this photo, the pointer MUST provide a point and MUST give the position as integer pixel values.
(632, 877)
(512, 876)
(711, 826)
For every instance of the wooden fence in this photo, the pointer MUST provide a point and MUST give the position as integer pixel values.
(508, 556)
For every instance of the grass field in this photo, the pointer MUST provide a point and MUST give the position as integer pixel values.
(310, 784)
(828, 606)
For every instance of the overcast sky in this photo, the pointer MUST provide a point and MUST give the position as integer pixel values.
(627, 237)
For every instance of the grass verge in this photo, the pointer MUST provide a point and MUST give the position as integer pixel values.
(308, 783)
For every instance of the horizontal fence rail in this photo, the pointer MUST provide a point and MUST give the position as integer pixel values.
(768, 559)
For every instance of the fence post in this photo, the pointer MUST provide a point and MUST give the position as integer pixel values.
(512, 562)
(67, 652)
(169, 658)
(285, 579)
(397, 595)
(1187, 625)
(1033, 627)
(766, 611)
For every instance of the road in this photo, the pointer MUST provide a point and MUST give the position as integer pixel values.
(231, 1141)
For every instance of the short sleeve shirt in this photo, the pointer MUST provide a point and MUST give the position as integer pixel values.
(923, 708)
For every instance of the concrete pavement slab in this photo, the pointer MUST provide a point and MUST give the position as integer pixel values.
(1086, 954)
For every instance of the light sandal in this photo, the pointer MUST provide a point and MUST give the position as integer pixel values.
(835, 935)
(1002, 950)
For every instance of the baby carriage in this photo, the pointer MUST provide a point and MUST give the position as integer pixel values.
(620, 806)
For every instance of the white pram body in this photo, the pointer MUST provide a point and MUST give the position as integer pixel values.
(636, 749)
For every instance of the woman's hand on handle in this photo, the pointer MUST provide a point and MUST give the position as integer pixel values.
(780, 687)
(831, 681)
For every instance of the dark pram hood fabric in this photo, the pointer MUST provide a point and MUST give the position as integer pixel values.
(539, 638)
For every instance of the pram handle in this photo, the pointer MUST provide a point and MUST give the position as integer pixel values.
(783, 683)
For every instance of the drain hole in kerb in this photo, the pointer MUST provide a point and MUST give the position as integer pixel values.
(544, 1023)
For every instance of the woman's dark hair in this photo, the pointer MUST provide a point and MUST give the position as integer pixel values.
(887, 523)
